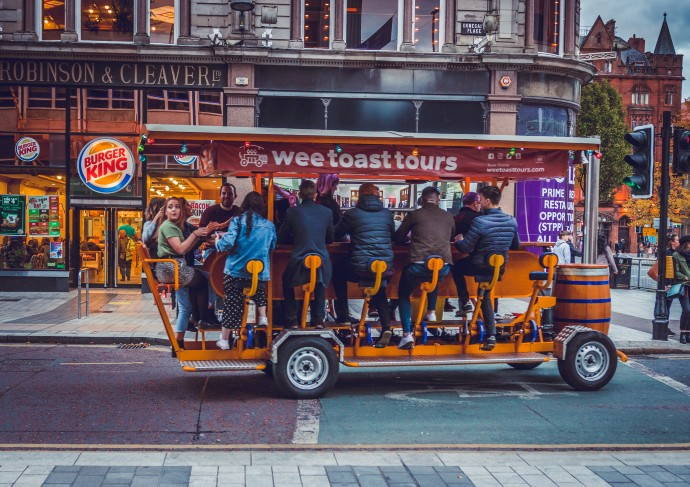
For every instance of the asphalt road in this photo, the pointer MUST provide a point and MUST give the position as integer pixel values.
(104, 395)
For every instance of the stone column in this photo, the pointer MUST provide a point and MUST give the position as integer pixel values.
(529, 27)
(240, 101)
(28, 32)
(569, 29)
(407, 34)
(338, 26)
(70, 33)
(141, 35)
(185, 38)
(503, 104)
(449, 26)
(296, 41)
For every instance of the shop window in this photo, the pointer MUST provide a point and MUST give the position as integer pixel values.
(32, 226)
(47, 97)
(542, 121)
(53, 24)
(8, 97)
(427, 22)
(107, 20)
(110, 99)
(162, 22)
(372, 25)
(317, 23)
(176, 100)
(210, 102)
(548, 16)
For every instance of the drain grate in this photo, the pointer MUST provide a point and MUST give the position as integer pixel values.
(26, 362)
(10, 300)
(101, 311)
(132, 346)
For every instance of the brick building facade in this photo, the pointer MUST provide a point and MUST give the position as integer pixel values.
(649, 83)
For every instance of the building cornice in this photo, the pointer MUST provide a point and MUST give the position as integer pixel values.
(301, 57)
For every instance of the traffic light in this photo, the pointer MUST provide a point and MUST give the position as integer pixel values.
(642, 161)
(681, 151)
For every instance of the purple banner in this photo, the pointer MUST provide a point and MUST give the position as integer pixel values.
(544, 207)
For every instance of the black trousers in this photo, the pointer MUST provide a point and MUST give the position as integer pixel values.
(318, 306)
(342, 274)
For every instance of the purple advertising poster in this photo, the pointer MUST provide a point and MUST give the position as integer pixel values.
(544, 207)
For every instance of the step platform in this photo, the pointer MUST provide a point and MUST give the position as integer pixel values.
(220, 365)
(468, 359)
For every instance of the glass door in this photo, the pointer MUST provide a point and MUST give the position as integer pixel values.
(128, 225)
(93, 238)
(107, 245)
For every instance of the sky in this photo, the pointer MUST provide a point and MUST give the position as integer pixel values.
(644, 18)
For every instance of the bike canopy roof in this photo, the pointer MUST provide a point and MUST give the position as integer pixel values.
(246, 151)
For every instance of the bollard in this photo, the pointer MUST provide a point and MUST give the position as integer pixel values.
(83, 270)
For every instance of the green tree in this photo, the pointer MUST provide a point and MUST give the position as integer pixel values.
(602, 114)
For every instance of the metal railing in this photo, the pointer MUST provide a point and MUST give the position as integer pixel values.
(638, 273)
(85, 271)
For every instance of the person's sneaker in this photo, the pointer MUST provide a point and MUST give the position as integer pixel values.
(448, 306)
(670, 333)
(489, 344)
(384, 340)
(223, 344)
(465, 309)
(430, 316)
(191, 327)
(407, 342)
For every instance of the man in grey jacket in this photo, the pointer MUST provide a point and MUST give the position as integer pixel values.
(562, 249)
(431, 230)
(493, 232)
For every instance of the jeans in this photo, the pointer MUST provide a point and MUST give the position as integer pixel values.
(412, 276)
(462, 268)
(341, 276)
(684, 301)
(318, 306)
(184, 309)
(488, 314)
(125, 269)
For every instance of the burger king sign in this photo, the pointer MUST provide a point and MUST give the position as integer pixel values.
(105, 165)
(27, 149)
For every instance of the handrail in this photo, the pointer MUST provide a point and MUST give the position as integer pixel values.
(378, 267)
(85, 271)
(435, 264)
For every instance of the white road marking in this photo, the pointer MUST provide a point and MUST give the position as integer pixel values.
(307, 427)
(679, 386)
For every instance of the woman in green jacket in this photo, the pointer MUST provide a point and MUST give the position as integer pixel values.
(681, 275)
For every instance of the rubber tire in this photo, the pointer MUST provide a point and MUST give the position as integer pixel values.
(306, 351)
(525, 366)
(591, 345)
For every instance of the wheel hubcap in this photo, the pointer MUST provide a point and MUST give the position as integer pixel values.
(307, 368)
(592, 361)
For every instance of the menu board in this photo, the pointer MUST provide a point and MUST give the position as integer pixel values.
(12, 214)
(44, 216)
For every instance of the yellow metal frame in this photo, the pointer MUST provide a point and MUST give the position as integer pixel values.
(311, 262)
(378, 267)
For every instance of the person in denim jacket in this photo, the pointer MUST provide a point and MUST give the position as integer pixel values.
(250, 237)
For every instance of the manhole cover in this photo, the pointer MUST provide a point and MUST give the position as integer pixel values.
(26, 362)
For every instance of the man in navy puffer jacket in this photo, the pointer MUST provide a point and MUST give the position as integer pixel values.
(493, 232)
(371, 229)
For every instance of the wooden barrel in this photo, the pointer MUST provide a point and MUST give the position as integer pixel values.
(582, 296)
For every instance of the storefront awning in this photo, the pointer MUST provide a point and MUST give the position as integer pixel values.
(251, 150)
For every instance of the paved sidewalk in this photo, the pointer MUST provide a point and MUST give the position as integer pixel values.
(127, 316)
(344, 468)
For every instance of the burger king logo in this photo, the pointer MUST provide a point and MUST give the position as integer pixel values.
(27, 149)
(185, 160)
(105, 165)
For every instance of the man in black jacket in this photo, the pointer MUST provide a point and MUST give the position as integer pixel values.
(371, 230)
(493, 232)
(308, 227)
(462, 267)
